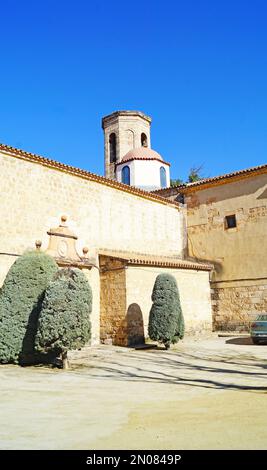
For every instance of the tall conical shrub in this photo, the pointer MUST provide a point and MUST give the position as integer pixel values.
(64, 322)
(20, 304)
(166, 323)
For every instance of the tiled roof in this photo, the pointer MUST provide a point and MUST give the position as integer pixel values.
(218, 179)
(14, 152)
(183, 264)
(142, 152)
(142, 259)
(141, 158)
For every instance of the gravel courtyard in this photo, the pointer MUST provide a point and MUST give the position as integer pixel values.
(208, 393)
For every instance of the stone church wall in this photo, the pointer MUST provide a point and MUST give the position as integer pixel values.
(236, 305)
(194, 290)
(126, 300)
(34, 197)
(113, 301)
(239, 254)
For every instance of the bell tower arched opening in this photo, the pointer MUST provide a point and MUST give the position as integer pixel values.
(144, 140)
(112, 148)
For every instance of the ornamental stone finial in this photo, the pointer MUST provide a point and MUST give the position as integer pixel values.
(85, 251)
(38, 244)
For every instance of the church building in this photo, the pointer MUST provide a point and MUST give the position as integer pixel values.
(125, 228)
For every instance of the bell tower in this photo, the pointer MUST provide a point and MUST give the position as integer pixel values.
(124, 131)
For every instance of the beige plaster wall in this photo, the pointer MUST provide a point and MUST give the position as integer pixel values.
(5, 263)
(238, 253)
(194, 289)
(94, 281)
(126, 300)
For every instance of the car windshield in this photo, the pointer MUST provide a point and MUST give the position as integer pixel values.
(261, 318)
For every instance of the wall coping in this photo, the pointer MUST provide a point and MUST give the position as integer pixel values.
(215, 181)
(139, 259)
(53, 164)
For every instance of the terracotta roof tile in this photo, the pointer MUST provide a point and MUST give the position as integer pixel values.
(215, 179)
(143, 259)
(142, 152)
(142, 158)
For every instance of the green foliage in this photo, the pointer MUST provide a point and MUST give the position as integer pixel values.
(64, 322)
(176, 182)
(20, 304)
(166, 323)
(195, 174)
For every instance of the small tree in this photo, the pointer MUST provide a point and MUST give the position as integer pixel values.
(20, 304)
(64, 322)
(195, 174)
(166, 323)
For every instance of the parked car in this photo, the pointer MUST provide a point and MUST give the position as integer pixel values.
(258, 329)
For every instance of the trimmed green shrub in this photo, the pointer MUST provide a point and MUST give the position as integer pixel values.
(64, 322)
(166, 323)
(20, 304)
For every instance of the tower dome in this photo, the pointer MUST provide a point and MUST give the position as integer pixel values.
(144, 168)
(141, 153)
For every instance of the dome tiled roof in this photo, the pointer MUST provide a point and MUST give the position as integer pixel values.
(143, 153)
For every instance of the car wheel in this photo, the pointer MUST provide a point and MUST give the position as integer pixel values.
(255, 341)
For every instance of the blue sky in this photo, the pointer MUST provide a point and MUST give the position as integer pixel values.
(199, 68)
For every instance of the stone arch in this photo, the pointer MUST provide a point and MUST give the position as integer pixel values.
(129, 138)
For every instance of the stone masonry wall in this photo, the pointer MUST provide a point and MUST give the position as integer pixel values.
(239, 254)
(235, 307)
(112, 302)
(128, 130)
(34, 197)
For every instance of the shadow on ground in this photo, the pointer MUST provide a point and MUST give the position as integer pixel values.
(245, 341)
(209, 369)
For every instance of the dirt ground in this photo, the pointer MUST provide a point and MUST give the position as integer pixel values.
(208, 393)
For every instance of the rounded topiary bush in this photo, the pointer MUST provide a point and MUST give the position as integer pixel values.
(166, 323)
(64, 322)
(20, 304)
